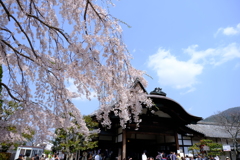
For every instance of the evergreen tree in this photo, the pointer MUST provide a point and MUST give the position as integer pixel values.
(69, 141)
(206, 147)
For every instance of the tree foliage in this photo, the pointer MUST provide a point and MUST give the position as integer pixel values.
(215, 149)
(5, 156)
(70, 141)
(47, 44)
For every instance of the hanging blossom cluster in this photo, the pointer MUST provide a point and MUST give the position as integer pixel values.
(17, 120)
(127, 106)
(46, 43)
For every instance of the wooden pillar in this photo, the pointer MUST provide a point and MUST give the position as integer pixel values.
(124, 144)
(176, 140)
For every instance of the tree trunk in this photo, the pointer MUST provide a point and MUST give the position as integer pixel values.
(238, 156)
(235, 145)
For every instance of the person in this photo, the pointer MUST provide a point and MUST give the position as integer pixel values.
(90, 156)
(216, 158)
(56, 157)
(178, 156)
(49, 157)
(20, 157)
(97, 157)
(129, 158)
(36, 157)
(199, 157)
(173, 157)
(24, 158)
(169, 156)
(163, 156)
(106, 153)
(159, 156)
(187, 158)
(42, 158)
(227, 158)
(84, 155)
(94, 153)
(144, 156)
(151, 158)
(53, 157)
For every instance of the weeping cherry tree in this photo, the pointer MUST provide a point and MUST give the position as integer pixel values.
(47, 44)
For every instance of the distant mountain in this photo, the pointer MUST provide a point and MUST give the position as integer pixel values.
(226, 112)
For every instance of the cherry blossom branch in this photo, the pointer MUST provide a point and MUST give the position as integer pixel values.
(85, 11)
(30, 15)
(6, 10)
(10, 46)
(20, 5)
(16, 51)
(9, 92)
(51, 27)
(19, 25)
(8, 65)
(85, 19)
(95, 11)
(37, 9)
(4, 29)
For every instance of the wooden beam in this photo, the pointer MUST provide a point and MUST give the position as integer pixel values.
(124, 144)
(151, 133)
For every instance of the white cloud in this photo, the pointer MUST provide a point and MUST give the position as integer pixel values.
(183, 74)
(229, 30)
(213, 56)
(172, 72)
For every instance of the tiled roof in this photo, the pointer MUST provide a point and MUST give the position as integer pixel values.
(210, 130)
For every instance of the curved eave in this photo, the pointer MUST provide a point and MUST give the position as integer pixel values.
(174, 109)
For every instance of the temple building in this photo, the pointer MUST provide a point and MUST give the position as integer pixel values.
(165, 127)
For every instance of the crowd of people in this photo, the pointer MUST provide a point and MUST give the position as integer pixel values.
(36, 157)
(98, 155)
(108, 155)
(174, 156)
(85, 155)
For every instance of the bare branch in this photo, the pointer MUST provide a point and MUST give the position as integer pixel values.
(9, 92)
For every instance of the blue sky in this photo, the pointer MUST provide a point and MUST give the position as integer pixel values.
(191, 49)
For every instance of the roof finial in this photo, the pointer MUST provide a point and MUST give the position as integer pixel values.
(158, 91)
